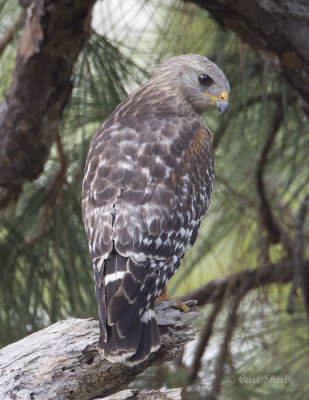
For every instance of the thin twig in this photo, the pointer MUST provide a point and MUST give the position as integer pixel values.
(203, 341)
(56, 189)
(298, 256)
(231, 324)
(61, 175)
(216, 291)
(281, 272)
(268, 219)
(242, 199)
(9, 34)
(61, 156)
(221, 130)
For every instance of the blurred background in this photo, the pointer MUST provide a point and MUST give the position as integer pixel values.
(248, 267)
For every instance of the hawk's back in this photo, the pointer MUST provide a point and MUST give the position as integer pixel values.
(147, 185)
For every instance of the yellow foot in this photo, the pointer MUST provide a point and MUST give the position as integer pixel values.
(164, 296)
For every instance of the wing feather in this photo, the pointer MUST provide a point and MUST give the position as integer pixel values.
(145, 190)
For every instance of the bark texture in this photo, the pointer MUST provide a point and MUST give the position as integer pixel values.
(63, 362)
(53, 35)
(277, 30)
(134, 394)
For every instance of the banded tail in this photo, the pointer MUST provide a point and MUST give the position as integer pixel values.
(125, 296)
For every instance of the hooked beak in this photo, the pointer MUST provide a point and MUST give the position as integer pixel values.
(220, 102)
(222, 106)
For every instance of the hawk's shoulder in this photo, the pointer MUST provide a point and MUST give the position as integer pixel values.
(145, 179)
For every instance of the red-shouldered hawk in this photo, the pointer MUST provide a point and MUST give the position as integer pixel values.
(147, 185)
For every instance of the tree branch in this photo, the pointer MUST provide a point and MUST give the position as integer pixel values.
(282, 272)
(203, 341)
(63, 362)
(134, 394)
(53, 36)
(250, 101)
(300, 274)
(276, 30)
(235, 286)
(231, 324)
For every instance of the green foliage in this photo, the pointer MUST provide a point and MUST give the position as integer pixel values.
(45, 270)
(9, 12)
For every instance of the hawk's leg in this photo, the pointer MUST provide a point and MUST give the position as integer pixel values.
(165, 296)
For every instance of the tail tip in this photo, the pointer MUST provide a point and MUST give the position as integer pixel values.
(118, 350)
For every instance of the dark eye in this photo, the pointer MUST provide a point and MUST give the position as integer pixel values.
(204, 79)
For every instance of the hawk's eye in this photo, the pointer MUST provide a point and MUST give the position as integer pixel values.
(204, 79)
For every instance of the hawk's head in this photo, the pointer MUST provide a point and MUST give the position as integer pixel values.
(198, 79)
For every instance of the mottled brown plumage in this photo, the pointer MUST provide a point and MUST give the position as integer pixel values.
(147, 185)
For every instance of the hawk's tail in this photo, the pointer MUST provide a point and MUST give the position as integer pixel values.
(129, 329)
(142, 339)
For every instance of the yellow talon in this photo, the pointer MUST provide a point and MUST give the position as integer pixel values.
(165, 296)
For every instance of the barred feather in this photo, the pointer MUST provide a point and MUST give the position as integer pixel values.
(127, 335)
(147, 185)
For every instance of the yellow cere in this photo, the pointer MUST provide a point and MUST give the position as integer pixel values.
(223, 96)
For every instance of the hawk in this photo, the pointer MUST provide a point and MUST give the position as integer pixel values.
(147, 185)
